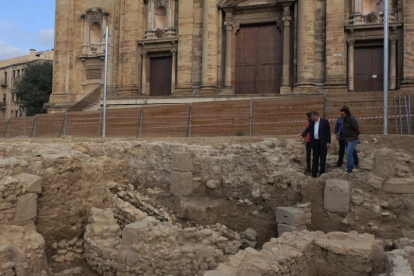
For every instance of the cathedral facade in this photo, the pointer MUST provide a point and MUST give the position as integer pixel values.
(229, 47)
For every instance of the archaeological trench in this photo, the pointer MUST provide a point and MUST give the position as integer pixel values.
(214, 207)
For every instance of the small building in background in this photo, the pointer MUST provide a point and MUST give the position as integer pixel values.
(10, 70)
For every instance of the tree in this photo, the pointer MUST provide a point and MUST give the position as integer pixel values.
(33, 89)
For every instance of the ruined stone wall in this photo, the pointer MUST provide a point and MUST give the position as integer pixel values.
(151, 247)
(308, 254)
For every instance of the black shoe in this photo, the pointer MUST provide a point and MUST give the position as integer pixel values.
(348, 171)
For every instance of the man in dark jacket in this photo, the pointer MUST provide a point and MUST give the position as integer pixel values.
(340, 136)
(352, 131)
(320, 132)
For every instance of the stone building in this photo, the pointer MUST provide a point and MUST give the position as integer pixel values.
(229, 47)
(11, 69)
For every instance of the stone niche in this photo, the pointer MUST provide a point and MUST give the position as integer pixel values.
(95, 22)
(371, 11)
(160, 19)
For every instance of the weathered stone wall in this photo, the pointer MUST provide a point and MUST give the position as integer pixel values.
(18, 199)
(151, 247)
(308, 254)
(371, 200)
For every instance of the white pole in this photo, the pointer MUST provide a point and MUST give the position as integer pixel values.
(105, 81)
(386, 66)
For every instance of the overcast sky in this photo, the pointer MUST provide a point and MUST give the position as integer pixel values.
(24, 25)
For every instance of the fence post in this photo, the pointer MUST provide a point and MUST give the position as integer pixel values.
(66, 124)
(251, 117)
(7, 130)
(395, 116)
(409, 112)
(24, 124)
(62, 127)
(33, 128)
(100, 124)
(324, 106)
(141, 119)
(139, 132)
(406, 113)
(399, 107)
(190, 120)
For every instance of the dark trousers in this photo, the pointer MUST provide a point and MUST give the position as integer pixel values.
(342, 154)
(319, 153)
(308, 157)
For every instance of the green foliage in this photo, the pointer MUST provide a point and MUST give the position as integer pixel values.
(33, 89)
(240, 133)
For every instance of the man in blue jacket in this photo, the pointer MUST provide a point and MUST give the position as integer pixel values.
(320, 132)
(340, 136)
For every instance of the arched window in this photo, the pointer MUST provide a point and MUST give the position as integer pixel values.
(160, 18)
(95, 33)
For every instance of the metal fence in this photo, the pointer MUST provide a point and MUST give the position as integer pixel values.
(283, 115)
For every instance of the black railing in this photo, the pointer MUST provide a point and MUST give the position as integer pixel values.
(87, 101)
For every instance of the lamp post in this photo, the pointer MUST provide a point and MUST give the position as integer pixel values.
(386, 66)
(105, 81)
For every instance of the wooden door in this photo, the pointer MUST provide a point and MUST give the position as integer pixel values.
(160, 76)
(258, 59)
(368, 68)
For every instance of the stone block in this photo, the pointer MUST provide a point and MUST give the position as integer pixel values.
(32, 182)
(399, 186)
(181, 183)
(182, 162)
(26, 208)
(282, 228)
(291, 216)
(337, 196)
(131, 232)
(365, 164)
(385, 161)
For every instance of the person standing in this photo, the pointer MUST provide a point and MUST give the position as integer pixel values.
(320, 133)
(351, 131)
(340, 136)
(306, 142)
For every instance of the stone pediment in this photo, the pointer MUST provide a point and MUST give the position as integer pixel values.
(229, 3)
(95, 10)
(233, 3)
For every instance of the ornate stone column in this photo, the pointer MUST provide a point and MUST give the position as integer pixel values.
(85, 36)
(171, 18)
(173, 71)
(227, 73)
(351, 44)
(144, 90)
(357, 11)
(287, 18)
(150, 13)
(393, 63)
(306, 47)
(210, 47)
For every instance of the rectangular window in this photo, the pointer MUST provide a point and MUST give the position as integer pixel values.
(5, 77)
(4, 99)
(18, 73)
(22, 71)
(93, 74)
(14, 74)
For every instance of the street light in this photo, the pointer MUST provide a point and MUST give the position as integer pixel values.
(105, 81)
(386, 66)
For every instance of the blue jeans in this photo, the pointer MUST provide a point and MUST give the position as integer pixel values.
(350, 148)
